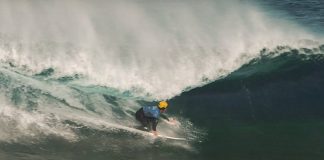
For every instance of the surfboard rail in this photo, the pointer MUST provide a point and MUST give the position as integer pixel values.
(135, 130)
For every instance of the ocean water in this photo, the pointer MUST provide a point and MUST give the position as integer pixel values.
(244, 79)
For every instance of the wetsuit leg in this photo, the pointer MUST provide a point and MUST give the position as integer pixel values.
(141, 118)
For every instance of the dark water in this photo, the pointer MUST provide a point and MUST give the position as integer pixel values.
(268, 109)
(271, 108)
(308, 13)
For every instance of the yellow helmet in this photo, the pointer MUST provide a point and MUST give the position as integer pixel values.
(163, 104)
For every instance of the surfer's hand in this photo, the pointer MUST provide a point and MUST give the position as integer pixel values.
(155, 133)
(173, 121)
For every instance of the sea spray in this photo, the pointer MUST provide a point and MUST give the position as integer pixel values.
(154, 49)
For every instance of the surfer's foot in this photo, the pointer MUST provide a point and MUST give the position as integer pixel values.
(142, 128)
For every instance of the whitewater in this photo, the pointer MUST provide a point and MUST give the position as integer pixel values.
(75, 70)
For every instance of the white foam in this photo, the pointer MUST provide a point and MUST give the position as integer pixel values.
(49, 116)
(153, 48)
(26, 127)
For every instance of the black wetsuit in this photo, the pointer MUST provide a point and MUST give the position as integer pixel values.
(146, 121)
(149, 122)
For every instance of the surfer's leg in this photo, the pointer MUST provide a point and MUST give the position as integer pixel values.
(141, 118)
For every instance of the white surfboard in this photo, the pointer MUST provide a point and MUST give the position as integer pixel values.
(138, 131)
(134, 130)
(174, 138)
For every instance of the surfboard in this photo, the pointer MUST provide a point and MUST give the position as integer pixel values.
(174, 138)
(146, 133)
(135, 130)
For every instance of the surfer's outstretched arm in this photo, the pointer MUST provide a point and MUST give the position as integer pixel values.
(171, 121)
(164, 117)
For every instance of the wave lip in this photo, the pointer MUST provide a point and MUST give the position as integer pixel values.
(165, 48)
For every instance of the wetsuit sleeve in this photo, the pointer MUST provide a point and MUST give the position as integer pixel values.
(154, 123)
(164, 117)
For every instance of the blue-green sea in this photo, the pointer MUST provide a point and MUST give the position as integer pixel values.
(243, 78)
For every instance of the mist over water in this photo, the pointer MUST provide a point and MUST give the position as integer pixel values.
(154, 49)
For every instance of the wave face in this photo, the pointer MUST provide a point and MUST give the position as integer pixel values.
(67, 119)
(272, 104)
(73, 73)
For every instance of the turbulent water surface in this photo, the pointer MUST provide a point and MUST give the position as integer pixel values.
(244, 79)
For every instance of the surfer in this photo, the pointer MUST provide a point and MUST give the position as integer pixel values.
(149, 116)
